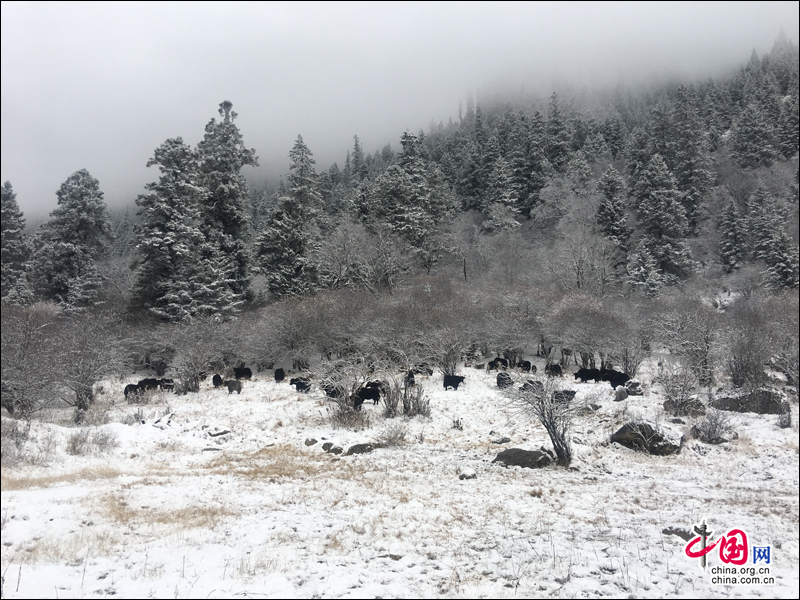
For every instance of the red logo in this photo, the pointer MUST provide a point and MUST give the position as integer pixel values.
(733, 549)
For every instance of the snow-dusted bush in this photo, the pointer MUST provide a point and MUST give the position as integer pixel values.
(393, 435)
(555, 414)
(717, 428)
(400, 399)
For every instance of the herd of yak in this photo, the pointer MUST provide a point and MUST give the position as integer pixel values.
(372, 390)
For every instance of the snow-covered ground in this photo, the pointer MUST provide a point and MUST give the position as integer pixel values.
(173, 510)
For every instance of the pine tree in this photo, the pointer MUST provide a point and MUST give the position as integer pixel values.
(733, 240)
(638, 152)
(789, 127)
(782, 262)
(691, 158)
(765, 217)
(558, 137)
(287, 248)
(644, 273)
(358, 164)
(171, 236)
(611, 217)
(579, 174)
(222, 155)
(69, 244)
(753, 139)
(663, 219)
(16, 250)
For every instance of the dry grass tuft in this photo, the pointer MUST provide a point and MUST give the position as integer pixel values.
(72, 550)
(11, 482)
(119, 510)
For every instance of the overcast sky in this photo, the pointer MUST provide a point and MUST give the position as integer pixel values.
(100, 85)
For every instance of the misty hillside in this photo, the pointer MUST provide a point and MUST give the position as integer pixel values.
(316, 386)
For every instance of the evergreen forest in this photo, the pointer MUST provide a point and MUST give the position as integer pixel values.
(604, 223)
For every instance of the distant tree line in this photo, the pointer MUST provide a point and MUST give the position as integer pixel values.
(623, 196)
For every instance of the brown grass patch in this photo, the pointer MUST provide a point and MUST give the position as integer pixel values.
(12, 482)
(119, 510)
(282, 462)
(72, 549)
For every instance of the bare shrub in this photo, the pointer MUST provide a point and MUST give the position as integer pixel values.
(690, 329)
(458, 424)
(444, 347)
(133, 418)
(679, 383)
(556, 415)
(748, 346)
(14, 438)
(400, 399)
(393, 435)
(718, 427)
(29, 372)
(87, 441)
(78, 443)
(343, 415)
(104, 440)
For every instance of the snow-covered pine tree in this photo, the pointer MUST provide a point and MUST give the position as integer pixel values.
(286, 249)
(643, 272)
(558, 137)
(16, 250)
(171, 234)
(782, 262)
(69, 244)
(753, 139)
(691, 158)
(579, 174)
(638, 151)
(733, 238)
(765, 218)
(663, 220)
(222, 155)
(612, 219)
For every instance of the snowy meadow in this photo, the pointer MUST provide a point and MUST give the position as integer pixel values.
(219, 495)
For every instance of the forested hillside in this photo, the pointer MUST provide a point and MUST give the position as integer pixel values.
(594, 222)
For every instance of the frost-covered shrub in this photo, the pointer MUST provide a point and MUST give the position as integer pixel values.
(400, 399)
(717, 428)
(393, 435)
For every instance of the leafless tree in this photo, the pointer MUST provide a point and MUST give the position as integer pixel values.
(546, 403)
(28, 357)
(90, 349)
(691, 329)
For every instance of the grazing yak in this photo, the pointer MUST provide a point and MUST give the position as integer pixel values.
(526, 366)
(453, 381)
(148, 384)
(280, 375)
(301, 384)
(504, 380)
(331, 391)
(242, 373)
(615, 378)
(553, 370)
(586, 374)
(216, 380)
(234, 385)
(132, 389)
(495, 364)
(369, 393)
